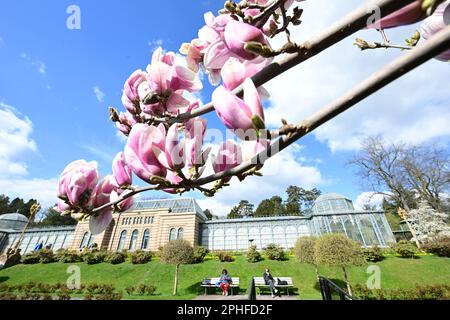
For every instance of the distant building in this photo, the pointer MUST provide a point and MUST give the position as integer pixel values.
(150, 224)
(12, 224)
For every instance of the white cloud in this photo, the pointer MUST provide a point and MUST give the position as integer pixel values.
(44, 190)
(38, 64)
(15, 140)
(372, 199)
(15, 144)
(155, 44)
(279, 172)
(99, 94)
(98, 152)
(413, 109)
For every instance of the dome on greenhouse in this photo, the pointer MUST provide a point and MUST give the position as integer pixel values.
(332, 203)
(13, 221)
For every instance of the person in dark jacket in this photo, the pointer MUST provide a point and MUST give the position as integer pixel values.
(268, 279)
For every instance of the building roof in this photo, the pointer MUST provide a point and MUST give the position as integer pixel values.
(14, 217)
(331, 203)
(175, 205)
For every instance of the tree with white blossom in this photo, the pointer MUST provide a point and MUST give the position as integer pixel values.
(427, 222)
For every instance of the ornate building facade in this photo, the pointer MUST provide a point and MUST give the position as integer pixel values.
(150, 224)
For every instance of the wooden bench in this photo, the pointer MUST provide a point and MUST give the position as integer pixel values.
(211, 283)
(261, 284)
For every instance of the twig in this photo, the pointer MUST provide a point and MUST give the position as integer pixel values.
(261, 19)
(364, 45)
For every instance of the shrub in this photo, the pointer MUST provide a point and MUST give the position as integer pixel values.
(200, 254)
(177, 252)
(129, 290)
(373, 254)
(46, 256)
(420, 292)
(95, 257)
(224, 256)
(304, 250)
(274, 252)
(68, 256)
(116, 257)
(406, 249)
(4, 287)
(141, 257)
(31, 258)
(8, 296)
(336, 249)
(439, 246)
(144, 289)
(253, 255)
(109, 296)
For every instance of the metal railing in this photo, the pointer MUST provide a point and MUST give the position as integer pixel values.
(331, 291)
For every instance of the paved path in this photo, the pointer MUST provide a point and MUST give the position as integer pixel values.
(244, 297)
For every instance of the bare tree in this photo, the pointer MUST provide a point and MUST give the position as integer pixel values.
(428, 173)
(379, 167)
(404, 173)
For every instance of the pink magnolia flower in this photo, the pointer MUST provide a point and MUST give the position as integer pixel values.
(228, 156)
(130, 97)
(253, 147)
(173, 178)
(171, 155)
(439, 20)
(409, 14)
(234, 73)
(209, 33)
(126, 121)
(237, 113)
(139, 152)
(121, 172)
(101, 196)
(237, 34)
(167, 82)
(125, 204)
(77, 182)
(194, 154)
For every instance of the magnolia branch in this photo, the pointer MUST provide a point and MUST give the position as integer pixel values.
(389, 73)
(345, 27)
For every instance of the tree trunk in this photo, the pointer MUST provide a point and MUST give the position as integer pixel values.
(349, 289)
(317, 272)
(175, 285)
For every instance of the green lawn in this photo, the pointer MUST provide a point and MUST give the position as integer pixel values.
(395, 273)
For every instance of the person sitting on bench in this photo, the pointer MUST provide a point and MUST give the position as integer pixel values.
(268, 279)
(224, 282)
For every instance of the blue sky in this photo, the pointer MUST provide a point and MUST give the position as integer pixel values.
(56, 84)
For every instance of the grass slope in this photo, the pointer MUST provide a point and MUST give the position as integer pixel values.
(395, 273)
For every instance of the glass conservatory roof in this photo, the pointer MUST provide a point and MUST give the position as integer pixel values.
(177, 205)
(332, 203)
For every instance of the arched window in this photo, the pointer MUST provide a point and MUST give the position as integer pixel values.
(145, 239)
(123, 236)
(172, 234)
(180, 234)
(134, 236)
(85, 240)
